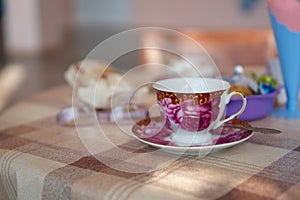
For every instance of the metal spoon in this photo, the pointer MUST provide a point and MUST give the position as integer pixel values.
(254, 129)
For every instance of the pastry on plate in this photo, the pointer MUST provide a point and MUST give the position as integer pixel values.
(101, 86)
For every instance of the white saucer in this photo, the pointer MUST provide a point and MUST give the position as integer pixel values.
(154, 133)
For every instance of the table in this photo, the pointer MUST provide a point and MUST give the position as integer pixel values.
(43, 160)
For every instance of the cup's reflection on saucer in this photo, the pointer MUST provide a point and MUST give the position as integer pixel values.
(192, 107)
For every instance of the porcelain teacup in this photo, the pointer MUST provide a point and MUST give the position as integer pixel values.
(193, 107)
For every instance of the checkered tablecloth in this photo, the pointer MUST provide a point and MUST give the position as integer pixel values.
(43, 160)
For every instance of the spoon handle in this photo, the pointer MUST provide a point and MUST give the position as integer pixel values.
(255, 129)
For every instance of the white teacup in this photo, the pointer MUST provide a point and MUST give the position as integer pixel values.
(194, 106)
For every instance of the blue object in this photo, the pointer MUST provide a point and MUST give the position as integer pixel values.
(266, 88)
(288, 46)
(248, 5)
(1, 9)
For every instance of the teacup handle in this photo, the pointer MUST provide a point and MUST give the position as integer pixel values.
(228, 97)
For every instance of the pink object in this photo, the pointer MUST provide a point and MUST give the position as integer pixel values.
(286, 12)
(195, 105)
(156, 131)
(190, 115)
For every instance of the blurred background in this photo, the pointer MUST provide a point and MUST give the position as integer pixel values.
(39, 39)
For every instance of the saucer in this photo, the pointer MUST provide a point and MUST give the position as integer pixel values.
(154, 132)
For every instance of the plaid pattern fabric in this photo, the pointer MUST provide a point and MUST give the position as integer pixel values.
(43, 160)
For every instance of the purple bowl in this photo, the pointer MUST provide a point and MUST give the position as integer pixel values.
(258, 106)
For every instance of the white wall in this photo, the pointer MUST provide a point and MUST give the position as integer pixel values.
(21, 22)
(31, 26)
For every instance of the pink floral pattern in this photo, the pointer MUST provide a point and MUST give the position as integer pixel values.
(159, 132)
(155, 132)
(188, 115)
